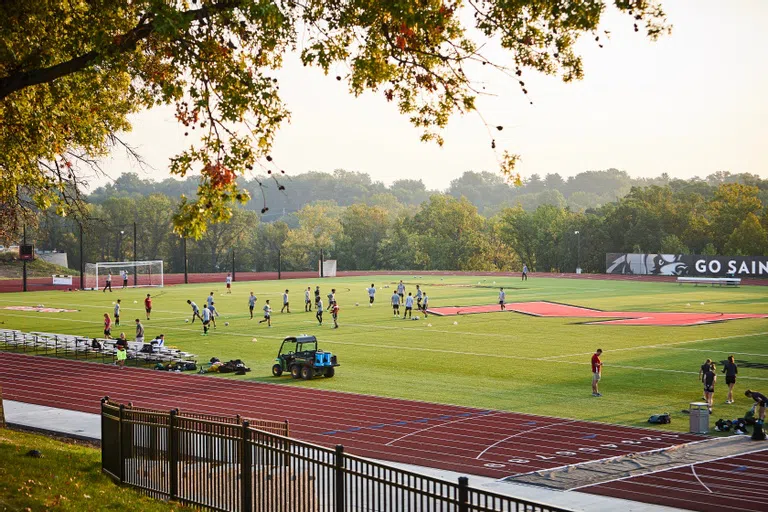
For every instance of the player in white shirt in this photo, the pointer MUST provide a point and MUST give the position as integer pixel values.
(214, 314)
(229, 282)
(371, 295)
(117, 312)
(206, 319)
(408, 306)
(209, 299)
(108, 284)
(285, 307)
(124, 277)
(502, 298)
(395, 304)
(267, 314)
(401, 290)
(425, 304)
(418, 297)
(308, 299)
(195, 311)
(251, 304)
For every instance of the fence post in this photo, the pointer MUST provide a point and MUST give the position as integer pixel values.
(173, 456)
(246, 469)
(121, 437)
(463, 494)
(340, 480)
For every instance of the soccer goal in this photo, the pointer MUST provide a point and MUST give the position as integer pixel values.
(139, 273)
(328, 268)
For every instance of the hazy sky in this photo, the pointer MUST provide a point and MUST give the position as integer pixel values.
(693, 103)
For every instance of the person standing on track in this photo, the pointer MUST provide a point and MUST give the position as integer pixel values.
(108, 283)
(117, 312)
(251, 304)
(107, 327)
(267, 314)
(760, 400)
(597, 371)
(371, 295)
(307, 300)
(502, 299)
(730, 370)
(709, 386)
(319, 311)
(396, 304)
(148, 305)
(195, 311)
(229, 282)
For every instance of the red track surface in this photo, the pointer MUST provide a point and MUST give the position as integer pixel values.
(553, 309)
(732, 484)
(463, 439)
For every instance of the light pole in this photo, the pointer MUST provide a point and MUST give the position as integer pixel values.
(120, 246)
(578, 251)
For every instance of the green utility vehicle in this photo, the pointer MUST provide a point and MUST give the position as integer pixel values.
(300, 356)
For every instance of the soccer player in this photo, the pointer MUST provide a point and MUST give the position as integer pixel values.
(401, 290)
(730, 370)
(251, 304)
(195, 311)
(709, 386)
(124, 275)
(148, 305)
(419, 295)
(395, 304)
(760, 400)
(209, 299)
(139, 332)
(307, 299)
(117, 312)
(319, 311)
(285, 307)
(524, 277)
(229, 282)
(317, 294)
(108, 283)
(597, 371)
(371, 295)
(267, 314)
(107, 327)
(425, 304)
(335, 315)
(502, 298)
(332, 298)
(408, 306)
(206, 319)
(214, 314)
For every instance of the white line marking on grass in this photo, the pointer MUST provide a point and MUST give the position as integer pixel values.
(427, 329)
(693, 470)
(520, 434)
(663, 345)
(442, 425)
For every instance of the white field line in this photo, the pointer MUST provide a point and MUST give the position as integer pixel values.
(665, 345)
(519, 434)
(693, 470)
(440, 425)
(431, 350)
(759, 449)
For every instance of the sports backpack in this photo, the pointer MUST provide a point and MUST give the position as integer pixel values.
(660, 419)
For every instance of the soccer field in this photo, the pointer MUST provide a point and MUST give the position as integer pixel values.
(506, 361)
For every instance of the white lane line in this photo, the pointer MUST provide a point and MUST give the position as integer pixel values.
(441, 425)
(520, 434)
(693, 470)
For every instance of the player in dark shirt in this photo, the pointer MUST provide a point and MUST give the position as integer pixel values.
(730, 370)
(709, 386)
(760, 401)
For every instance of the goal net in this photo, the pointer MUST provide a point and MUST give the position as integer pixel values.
(138, 273)
(328, 268)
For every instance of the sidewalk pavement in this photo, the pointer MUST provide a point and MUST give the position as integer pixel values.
(87, 426)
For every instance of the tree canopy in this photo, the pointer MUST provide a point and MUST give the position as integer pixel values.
(72, 71)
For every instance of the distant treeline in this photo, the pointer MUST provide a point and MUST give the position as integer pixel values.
(478, 223)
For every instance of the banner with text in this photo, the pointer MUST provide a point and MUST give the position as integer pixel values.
(686, 265)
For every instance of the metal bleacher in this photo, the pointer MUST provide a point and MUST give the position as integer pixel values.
(70, 346)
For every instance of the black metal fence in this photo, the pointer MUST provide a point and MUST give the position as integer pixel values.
(244, 466)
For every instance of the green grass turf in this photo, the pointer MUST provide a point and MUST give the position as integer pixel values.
(68, 478)
(505, 361)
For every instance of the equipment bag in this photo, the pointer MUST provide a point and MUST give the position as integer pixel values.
(660, 419)
(758, 434)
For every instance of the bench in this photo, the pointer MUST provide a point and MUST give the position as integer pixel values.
(728, 281)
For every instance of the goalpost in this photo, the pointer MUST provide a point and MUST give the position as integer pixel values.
(140, 273)
(328, 268)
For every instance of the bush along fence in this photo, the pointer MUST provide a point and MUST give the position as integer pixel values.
(240, 465)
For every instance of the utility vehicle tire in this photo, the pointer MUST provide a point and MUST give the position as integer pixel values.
(277, 370)
(330, 372)
(295, 371)
(307, 373)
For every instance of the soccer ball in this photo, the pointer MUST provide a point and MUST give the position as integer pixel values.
(702, 303)
(226, 323)
(40, 305)
(429, 325)
(357, 303)
(687, 305)
(415, 318)
(370, 305)
(455, 323)
(135, 302)
(186, 320)
(254, 340)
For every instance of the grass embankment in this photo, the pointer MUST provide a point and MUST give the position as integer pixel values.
(502, 361)
(11, 267)
(67, 477)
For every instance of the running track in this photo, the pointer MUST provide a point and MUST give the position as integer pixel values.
(490, 443)
(733, 483)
